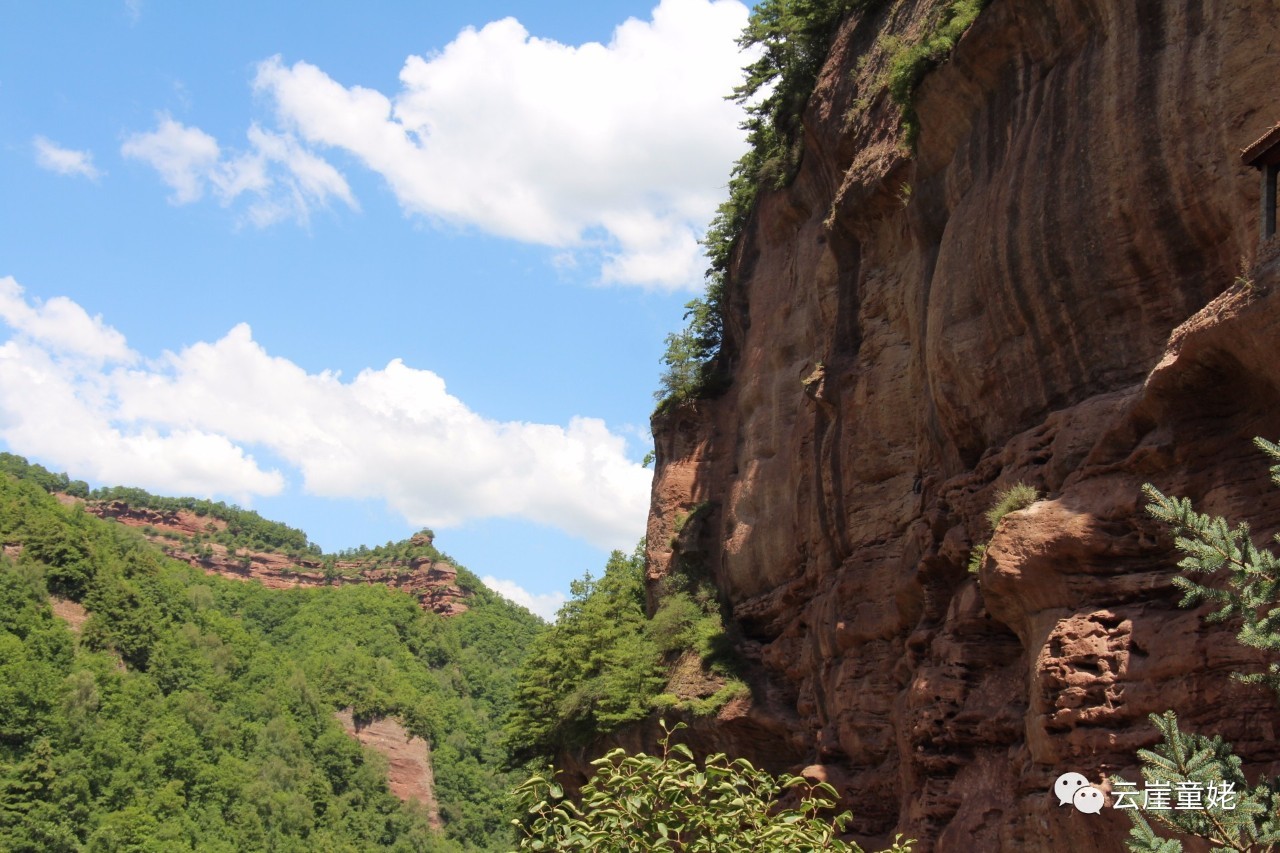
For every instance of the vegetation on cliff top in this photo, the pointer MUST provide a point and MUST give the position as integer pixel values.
(241, 531)
(194, 712)
(794, 37)
(1016, 497)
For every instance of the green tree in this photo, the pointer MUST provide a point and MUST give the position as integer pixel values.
(593, 670)
(640, 803)
(1251, 596)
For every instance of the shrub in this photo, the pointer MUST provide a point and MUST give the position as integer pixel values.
(1012, 499)
(1009, 500)
(794, 37)
(640, 803)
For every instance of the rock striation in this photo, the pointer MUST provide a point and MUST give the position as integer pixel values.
(409, 772)
(1060, 285)
(433, 582)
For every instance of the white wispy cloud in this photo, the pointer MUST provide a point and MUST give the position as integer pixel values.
(616, 152)
(185, 157)
(65, 161)
(73, 393)
(545, 605)
(283, 178)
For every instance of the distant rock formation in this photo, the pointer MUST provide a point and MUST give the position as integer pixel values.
(433, 582)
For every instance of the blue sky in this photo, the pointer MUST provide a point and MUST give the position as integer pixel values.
(362, 269)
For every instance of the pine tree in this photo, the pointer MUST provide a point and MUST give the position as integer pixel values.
(1240, 817)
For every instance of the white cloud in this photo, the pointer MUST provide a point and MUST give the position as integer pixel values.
(285, 180)
(184, 156)
(65, 161)
(621, 151)
(186, 422)
(61, 325)
(545, 605)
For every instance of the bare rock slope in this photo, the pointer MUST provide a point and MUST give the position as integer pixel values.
(1048, 289)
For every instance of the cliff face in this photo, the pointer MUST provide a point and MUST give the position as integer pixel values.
(1044, 291)
(433, 582)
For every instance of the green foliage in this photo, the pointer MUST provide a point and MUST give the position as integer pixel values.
(593, 670)
(244, 527)
(793, 37)
(1016, 497)
(1207, 763)
(977, 555)
(197, 713)
(417, 546)
(1252, 595)
(604, 662)
(41, 476)
(638, 803)
(1143, 839)
(912, 60)
(1012, 499)
(688, 358)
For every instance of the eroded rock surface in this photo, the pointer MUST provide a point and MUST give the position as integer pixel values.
(1046, 291)
(409, 773)
(433, 582)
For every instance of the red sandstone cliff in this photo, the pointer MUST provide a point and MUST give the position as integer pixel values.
(1056, 302)
(433, 582)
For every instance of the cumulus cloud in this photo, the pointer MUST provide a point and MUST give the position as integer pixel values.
(65, 161)
(187, 421)
(61, 325)
(283, 178)
(619, 151)
(545, 605)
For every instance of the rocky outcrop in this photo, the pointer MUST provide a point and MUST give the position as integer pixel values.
(433, 582)
(409, 773)
(1061, 286)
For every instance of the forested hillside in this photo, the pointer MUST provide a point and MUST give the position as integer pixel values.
(194, 712)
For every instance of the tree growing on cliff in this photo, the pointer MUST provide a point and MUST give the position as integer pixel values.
(1252, 595)
(640, 803)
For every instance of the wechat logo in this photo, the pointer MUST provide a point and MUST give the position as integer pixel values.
(1075, 789)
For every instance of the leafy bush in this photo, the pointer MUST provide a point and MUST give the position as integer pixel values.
(244, 527)
(640, 803)
(593, 670)
(1251, 595)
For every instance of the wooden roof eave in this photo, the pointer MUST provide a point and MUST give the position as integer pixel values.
(1265, 151)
